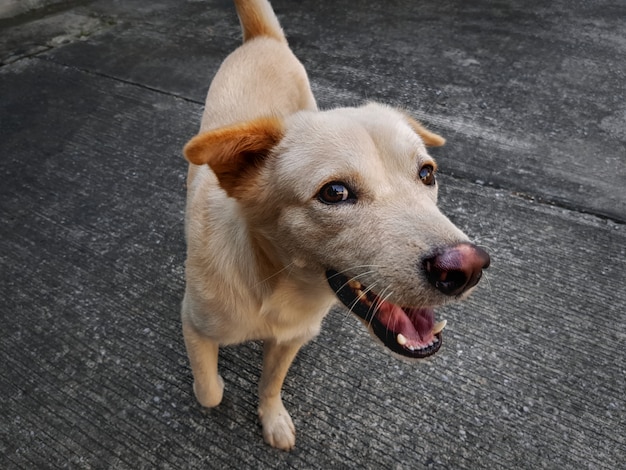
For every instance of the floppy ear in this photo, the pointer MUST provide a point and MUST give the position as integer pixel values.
(430, 138)
(235, 153)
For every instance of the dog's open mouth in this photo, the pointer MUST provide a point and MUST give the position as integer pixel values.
(410, 332)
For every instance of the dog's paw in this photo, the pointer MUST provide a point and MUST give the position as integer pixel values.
(278, 429)
(209, 394)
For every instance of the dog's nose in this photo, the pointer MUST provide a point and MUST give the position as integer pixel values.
(456, 269)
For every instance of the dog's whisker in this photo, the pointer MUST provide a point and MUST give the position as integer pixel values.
(356, 267)
(486, 247)
(384, 299)
(349, 312)
(289, 267)
(489, 286)
(379, 301)
(353, 304)
(375, 306)
(365, 292)
(354, 278)
(358, 299)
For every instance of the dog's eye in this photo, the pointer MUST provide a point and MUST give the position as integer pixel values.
(333, 193)
(427, 175)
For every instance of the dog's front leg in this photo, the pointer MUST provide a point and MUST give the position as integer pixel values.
(208, 386)
(278, 429)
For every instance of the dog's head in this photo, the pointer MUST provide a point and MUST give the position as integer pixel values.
(348, 197)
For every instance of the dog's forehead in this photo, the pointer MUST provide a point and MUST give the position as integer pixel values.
(390, 131)
(374, 141)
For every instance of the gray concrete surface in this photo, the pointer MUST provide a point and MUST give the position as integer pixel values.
(15, 8)
(96, 101)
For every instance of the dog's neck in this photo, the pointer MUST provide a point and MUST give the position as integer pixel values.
(267, 261)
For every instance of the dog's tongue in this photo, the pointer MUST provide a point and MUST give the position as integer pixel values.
(415, 325)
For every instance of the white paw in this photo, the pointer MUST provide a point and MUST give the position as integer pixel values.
(278, 429)
(210, 394)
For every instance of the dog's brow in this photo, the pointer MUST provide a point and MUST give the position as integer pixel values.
(430, 162)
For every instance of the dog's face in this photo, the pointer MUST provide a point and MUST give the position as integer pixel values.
(348, 197)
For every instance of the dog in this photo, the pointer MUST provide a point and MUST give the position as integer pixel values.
(290, 209)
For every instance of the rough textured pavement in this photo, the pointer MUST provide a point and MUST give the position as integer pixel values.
(96, 101)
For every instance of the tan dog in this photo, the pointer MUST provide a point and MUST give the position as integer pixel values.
(290, 208)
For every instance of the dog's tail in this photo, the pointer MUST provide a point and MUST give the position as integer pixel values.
(258, 19)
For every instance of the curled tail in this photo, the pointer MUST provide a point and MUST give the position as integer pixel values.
(258, 19)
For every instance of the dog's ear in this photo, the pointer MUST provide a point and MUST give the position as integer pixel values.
(430, 138)
(235, 153)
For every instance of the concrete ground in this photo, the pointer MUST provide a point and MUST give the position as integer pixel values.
(97, 100)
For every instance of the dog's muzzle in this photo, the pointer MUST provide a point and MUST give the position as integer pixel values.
(412, 331)
(409, 332)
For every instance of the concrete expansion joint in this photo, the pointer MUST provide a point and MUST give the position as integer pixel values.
(569, 207)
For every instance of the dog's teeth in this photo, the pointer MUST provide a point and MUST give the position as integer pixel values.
(362, 296)
(355, 284)
(439, 326)
(401, 339)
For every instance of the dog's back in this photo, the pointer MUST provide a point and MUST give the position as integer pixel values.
(259, 79)
(258, 19)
